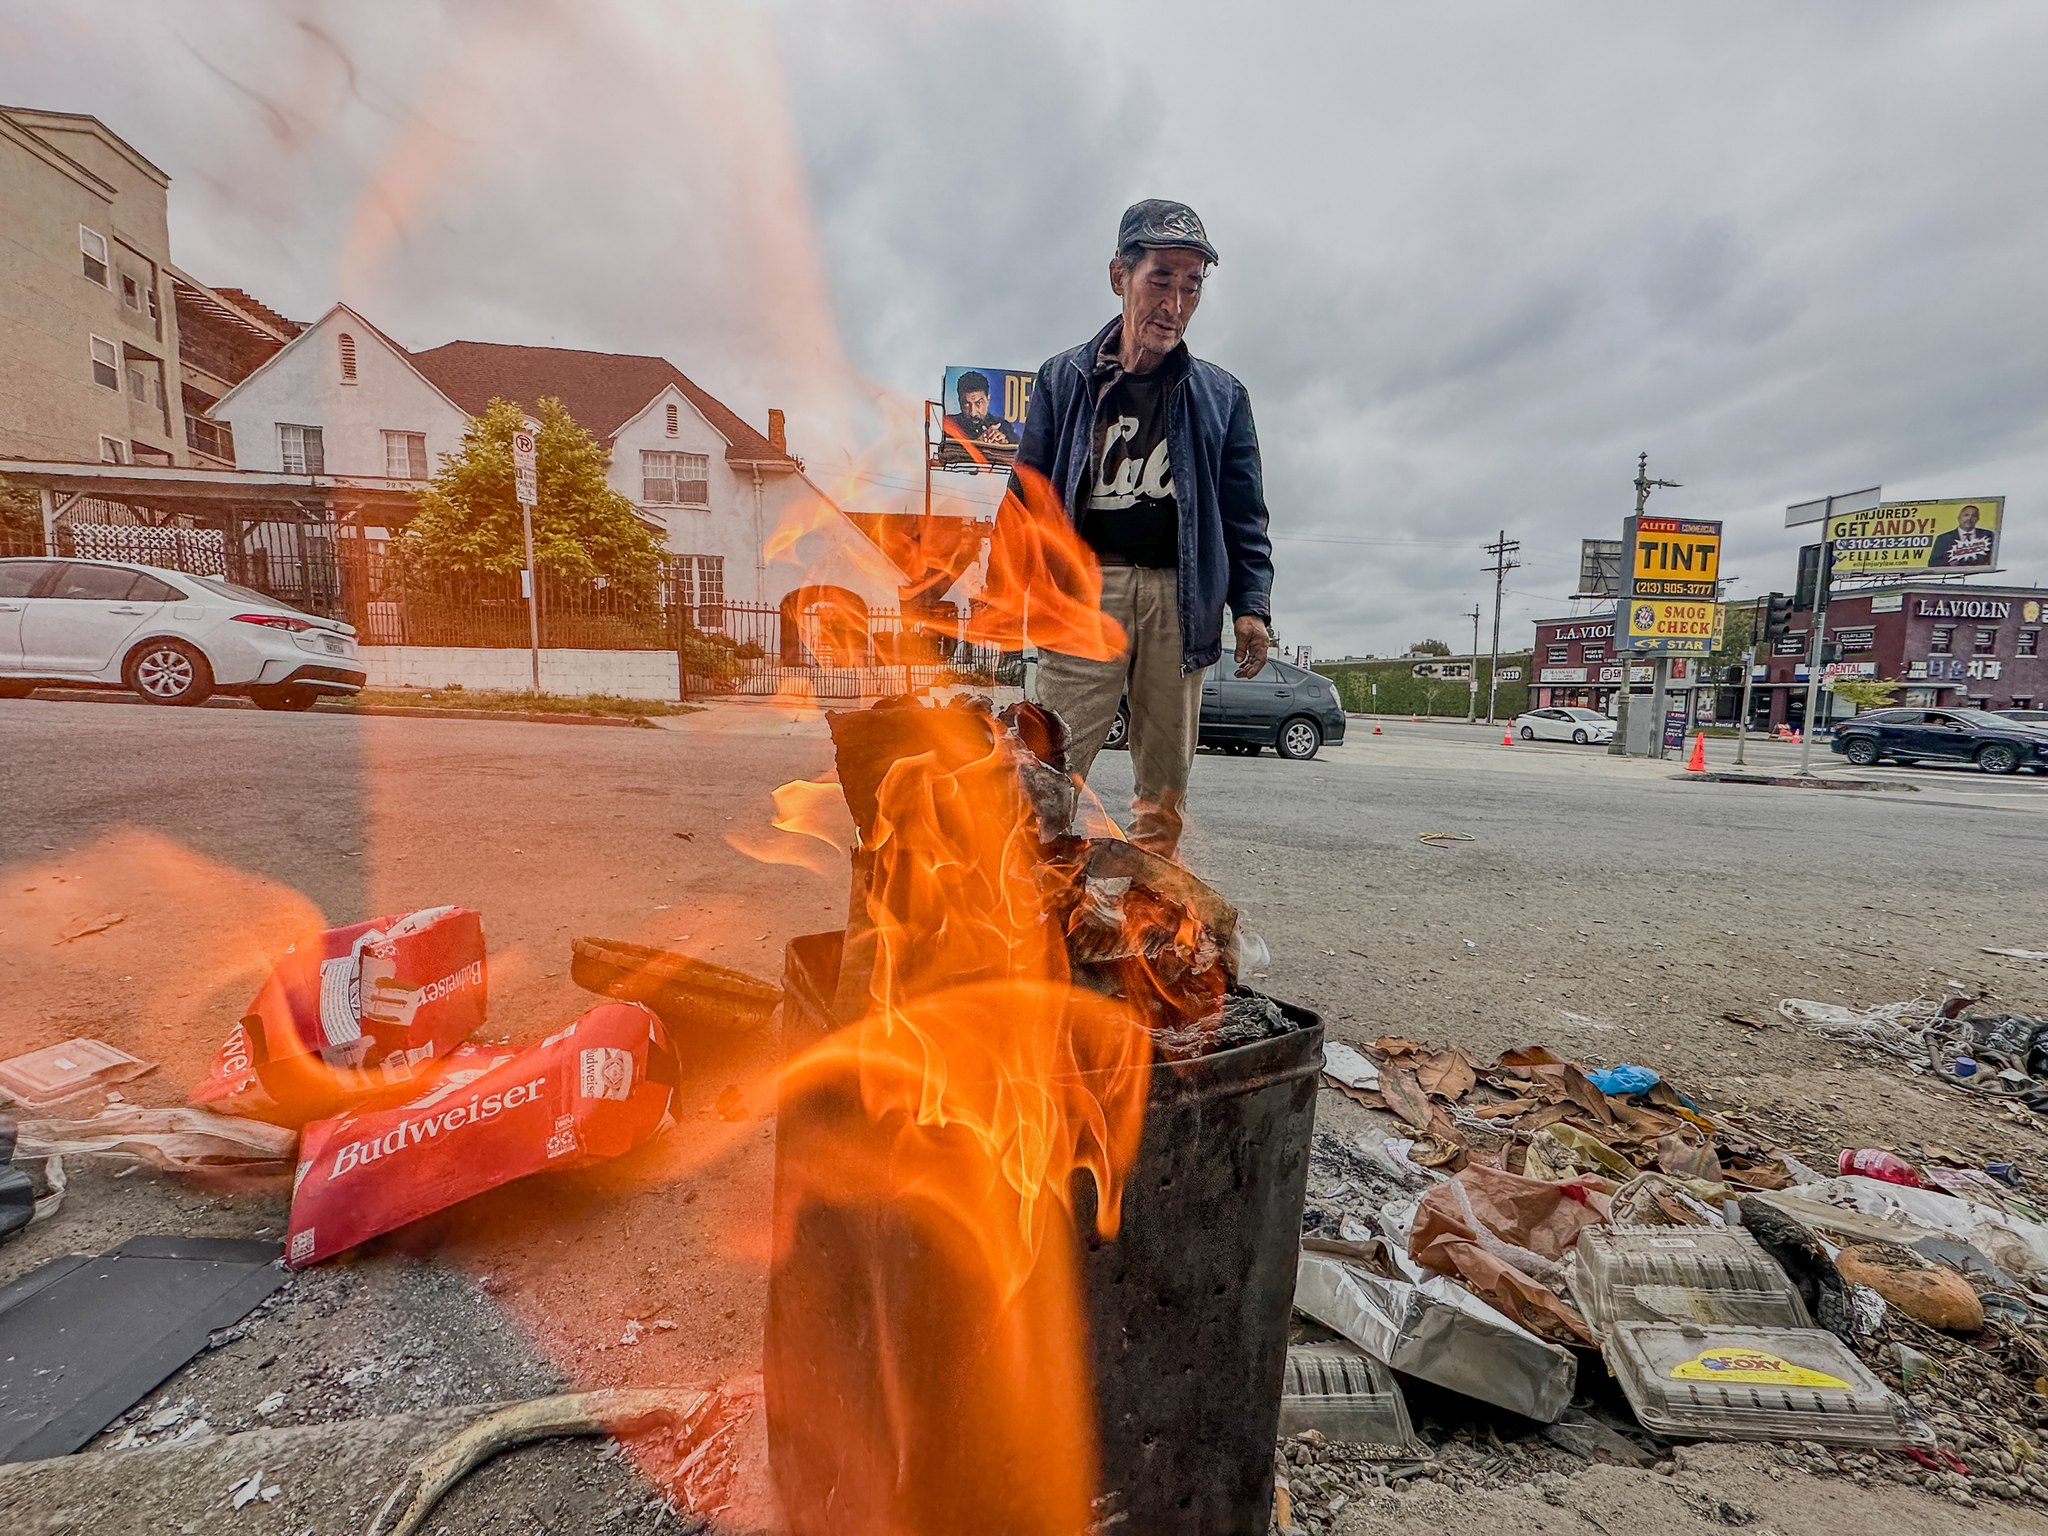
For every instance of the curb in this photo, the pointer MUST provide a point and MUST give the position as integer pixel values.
(1792, 782)
(526, 717)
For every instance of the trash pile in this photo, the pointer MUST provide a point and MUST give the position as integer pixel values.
(1540, 1226)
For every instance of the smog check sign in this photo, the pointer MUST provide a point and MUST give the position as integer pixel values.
(1662, 627)
(1677, 557)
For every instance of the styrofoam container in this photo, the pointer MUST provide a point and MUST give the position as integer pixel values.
(1693, 1382)
(1339, 1389)
(1682, 1275)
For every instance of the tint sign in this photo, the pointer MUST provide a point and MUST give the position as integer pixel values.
(1676, 557)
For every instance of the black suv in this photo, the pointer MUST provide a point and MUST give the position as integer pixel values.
(1907, 736)
(1284, 707)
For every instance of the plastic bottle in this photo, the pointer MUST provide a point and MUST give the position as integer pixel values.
(1873, 1164)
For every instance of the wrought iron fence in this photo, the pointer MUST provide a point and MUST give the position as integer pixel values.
(392, 606)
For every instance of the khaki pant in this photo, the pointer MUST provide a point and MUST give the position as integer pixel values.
(1166, 707)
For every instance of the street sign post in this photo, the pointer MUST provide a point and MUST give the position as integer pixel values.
(526, 485)
(1823, 511)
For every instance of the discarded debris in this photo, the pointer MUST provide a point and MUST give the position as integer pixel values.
(586, 1093)
(60, 1072)
(178, 1140)
(2019, 954)
(84, 926)
(1431, 1327)
(82, 1340)
(686, 994)
(689, 1411)
(350, 1016)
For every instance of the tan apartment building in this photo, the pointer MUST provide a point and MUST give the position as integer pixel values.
(88, 327)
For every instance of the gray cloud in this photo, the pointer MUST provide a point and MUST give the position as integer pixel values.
(1476, 255)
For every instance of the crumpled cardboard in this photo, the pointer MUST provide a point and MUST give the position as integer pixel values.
(1505, 1237)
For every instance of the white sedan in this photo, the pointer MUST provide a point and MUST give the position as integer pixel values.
(170, 636)
(1579, 725)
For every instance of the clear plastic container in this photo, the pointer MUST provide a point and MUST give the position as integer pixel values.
(1681, 1275)
(1700, 1383)
(1339, 1389)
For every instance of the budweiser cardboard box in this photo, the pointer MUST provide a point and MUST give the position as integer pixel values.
(364, 1010)
(583, 1095)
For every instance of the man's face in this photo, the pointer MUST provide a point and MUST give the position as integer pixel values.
(1159, 296)
(974, 404)
(1966, 520)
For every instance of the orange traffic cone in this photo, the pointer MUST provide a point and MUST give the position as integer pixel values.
(1507, 738)
(1376, 730)
(1699, 753)
(1414, 719)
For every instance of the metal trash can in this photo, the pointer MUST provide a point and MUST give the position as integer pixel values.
(1188, 1306)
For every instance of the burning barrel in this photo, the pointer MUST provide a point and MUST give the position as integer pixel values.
(880, 1339)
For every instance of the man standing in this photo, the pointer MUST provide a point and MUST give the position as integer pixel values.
(1152, 453)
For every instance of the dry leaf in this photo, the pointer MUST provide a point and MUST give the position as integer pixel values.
(1405, 1097)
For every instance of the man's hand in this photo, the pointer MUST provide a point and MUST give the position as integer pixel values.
(1252, 642)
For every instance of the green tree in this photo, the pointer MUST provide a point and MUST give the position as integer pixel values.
(1429, 648)
(1865, 692)
(469, 520)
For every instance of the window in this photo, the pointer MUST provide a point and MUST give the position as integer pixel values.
(111, 451)
(1592, 653)
(92, 246)
(106, 371)
(1559, 655)
(300, 451)
(2030, 642)
(702, 582)
(94, 583)
(675, 479)
(18, 578)
(405, 455)
(672, 421)
(216, 439)
(1940, 638)
(156, 318)
(1985, 643)
(145, 380)
(131, 293)
(348, 358)
(148, 589)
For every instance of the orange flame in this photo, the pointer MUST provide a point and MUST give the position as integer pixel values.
(1044, 583)
(984, 1081)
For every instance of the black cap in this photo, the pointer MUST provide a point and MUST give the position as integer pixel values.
(1156, 222)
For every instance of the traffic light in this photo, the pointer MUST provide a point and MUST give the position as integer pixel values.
(1830, 652)
(1779, 619)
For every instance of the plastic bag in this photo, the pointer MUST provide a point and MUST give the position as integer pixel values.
(1623, 1080)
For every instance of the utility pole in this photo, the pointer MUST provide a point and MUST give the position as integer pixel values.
(1756, 629)
(1659, 671)
(1472, 693)
(1500, 549)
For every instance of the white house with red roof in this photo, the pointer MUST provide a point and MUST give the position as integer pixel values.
(344, 399)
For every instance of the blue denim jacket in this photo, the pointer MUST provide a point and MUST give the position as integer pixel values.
(1225, 553)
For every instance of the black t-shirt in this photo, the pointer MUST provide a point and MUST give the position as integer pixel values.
(1130, 512)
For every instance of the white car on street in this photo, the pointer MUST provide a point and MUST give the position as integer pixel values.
(1579, 725)
(170, 636)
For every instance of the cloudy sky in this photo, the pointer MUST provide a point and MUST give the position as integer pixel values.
(1475, 255)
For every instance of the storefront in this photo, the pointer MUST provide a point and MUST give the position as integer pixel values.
(1576, 666)
(1946, 644)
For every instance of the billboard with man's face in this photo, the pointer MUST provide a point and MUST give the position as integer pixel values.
(1929, 536)
(984, 411)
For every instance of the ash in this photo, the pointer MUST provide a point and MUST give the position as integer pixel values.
(1247, 1018)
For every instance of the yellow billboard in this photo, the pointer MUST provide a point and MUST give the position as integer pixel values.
(1675, 557)
(1669, 627)
(1957, 535)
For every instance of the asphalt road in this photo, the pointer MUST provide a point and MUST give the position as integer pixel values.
(1593, 904)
